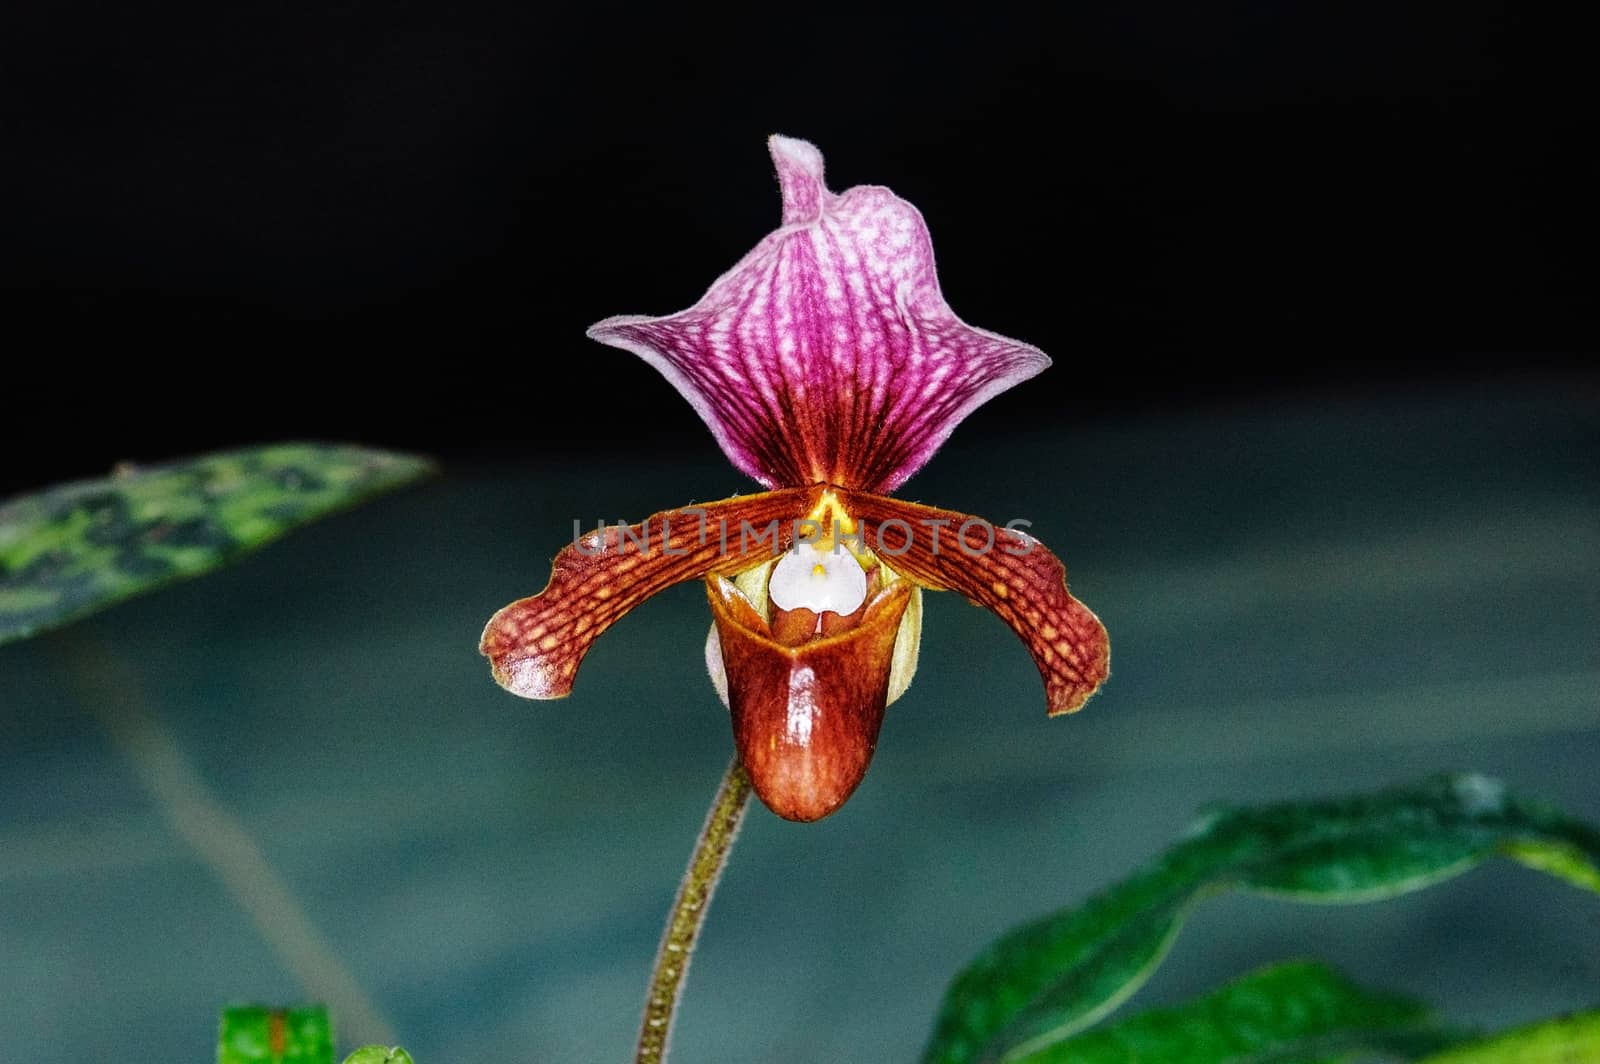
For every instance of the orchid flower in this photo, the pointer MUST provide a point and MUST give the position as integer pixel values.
(829, 367)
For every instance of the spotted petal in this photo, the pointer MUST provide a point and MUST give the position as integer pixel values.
(828, 354)
(535, 644)
(1006, 571)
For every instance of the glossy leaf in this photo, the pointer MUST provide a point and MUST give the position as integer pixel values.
(1298, 1011)
(254, 1034)
(1568, 1040)
(1047, 980)
(379, 1055)
(70, 550)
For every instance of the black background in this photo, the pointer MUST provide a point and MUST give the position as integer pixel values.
(392, 222)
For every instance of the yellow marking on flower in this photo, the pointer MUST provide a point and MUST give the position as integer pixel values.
(818, 571)
(827, 513)
(828, 510)
(1000, 589)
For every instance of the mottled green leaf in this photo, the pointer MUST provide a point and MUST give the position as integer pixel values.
(1569, 1040)
(1288, 1012)
(1049, 979)
(70, 550)
(253, 1033)
(379, 1055)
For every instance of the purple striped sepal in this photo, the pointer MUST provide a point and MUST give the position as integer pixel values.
(828, 354)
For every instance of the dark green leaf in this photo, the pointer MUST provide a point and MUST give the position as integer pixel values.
(1047, 980)
(70, 550)
(1299, 1012)
(252, 1033)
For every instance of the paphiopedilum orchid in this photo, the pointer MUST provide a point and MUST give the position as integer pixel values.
(830, 368)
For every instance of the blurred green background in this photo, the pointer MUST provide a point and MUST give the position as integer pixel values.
(1303, 599)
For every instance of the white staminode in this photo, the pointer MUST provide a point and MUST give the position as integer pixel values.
(818, 580)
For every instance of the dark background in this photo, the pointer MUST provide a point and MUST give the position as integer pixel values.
(392, 221)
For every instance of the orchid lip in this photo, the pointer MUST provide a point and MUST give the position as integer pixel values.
(806, 718)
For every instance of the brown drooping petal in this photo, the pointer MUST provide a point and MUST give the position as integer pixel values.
(1006, 571)
(535, 644)
(806, 718)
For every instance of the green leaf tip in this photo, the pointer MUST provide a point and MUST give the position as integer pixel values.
(257, 1034)
(1044, 982)
(68, 551)
(1566, 1040)
(379, 1055)
(1299, 1011)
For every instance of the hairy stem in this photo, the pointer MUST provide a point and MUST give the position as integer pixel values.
(689, 912)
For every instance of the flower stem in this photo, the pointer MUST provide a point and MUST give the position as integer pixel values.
(689, 912)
